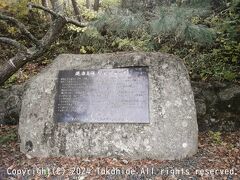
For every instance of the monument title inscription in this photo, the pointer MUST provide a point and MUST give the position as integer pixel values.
(102, 96)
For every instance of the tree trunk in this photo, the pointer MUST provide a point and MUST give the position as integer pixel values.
(45, 4)
(96, 5)
(124, 4)
(15, 63)
(88, 4)
(76, 10)
(24, 55)
(57, 6)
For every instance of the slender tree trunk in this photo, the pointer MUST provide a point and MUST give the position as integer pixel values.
(124, 3)
(88, 4)
(96, 5)
(57, 6)
(76, 10)
(44, 3)
(47, 15)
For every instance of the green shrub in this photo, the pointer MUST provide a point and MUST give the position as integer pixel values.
(8, 138)
(216, 137)
(177, 22)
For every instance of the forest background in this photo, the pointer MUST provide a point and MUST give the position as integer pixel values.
(204, 33)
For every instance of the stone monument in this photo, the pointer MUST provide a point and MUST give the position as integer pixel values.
(131, 105)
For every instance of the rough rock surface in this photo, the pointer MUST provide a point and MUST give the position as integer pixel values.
(171, 134)
(218, 106)
(216, 113)
(10, 104)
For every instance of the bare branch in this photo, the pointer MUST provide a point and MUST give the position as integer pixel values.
(14, 43)
(68, 20)
(32, 5)
(74, 22)
(25, 55)
(21, 27)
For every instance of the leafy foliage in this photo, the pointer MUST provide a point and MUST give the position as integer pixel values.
(20, 8)
(8, 138)
(223, 59)
(110, 3)
(118, 21)
(176, 21)
(216, 137)
(204, 33)
(166, 21)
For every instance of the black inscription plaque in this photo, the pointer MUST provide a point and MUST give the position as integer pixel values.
(102, 96)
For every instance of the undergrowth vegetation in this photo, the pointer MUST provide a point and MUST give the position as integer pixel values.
(205, 34)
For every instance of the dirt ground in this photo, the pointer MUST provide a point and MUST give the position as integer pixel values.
(218, 157)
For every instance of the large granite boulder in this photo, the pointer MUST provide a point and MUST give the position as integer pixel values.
(214, 111)
(171, 134)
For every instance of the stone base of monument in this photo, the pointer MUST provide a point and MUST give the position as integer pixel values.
(161, 122)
